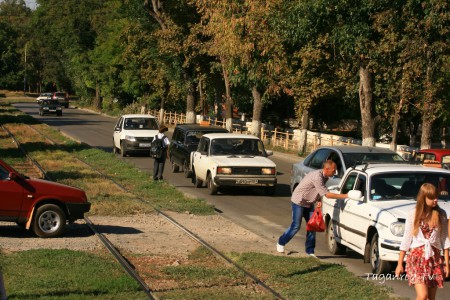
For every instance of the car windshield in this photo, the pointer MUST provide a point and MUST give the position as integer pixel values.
(352, 159)
(406, 185)
(237, 146)
(140, 124)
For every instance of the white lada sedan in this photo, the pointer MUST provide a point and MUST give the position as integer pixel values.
(225, 159)
(372, 220)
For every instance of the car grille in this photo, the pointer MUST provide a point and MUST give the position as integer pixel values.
(246, 171)
(144, 139)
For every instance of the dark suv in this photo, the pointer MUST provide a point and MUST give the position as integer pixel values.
(185, 140)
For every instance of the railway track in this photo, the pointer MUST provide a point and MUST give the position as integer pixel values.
(110, 246)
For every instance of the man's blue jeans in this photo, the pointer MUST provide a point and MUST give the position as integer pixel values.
(297, 213)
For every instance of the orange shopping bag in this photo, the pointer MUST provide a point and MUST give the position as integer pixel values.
(316, 222)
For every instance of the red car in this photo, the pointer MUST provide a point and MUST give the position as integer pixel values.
(40, 205)
(433, 157)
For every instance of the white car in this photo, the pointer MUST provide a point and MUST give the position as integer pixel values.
(44, 96)
(134, 133)
(372, 220)
(225, 159)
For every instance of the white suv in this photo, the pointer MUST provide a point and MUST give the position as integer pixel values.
(134, 133)
(225, 159)
(372, 220)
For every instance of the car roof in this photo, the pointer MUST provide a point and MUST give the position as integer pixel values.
(137, 116)
(198, 127)
(358, 149)
(374, 168)
(434, 151)
(230, 136)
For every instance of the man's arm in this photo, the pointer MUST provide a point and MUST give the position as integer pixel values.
(336, 196)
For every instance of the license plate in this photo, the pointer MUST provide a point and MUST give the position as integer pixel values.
(53, 110)
(246, 181)
(144, 144)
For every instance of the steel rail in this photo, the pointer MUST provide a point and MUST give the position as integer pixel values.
(106, 242)
(180, 226)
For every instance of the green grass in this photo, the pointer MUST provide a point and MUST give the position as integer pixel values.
(66, 274)
(308, 278)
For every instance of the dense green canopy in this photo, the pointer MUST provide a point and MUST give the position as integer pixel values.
(382, 62)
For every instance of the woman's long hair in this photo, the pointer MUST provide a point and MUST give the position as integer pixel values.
(427, 190)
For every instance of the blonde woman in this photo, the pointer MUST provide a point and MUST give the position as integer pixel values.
(426, 234)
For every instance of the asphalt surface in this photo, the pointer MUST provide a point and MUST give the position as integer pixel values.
(265, 215)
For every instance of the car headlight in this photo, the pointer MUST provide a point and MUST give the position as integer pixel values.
(58, 108)
(221, 170)
(398, 228)
(130, 138)
(268, 171)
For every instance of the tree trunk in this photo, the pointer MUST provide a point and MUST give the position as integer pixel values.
(366, 106)
(98, 98)
(443, 138)
(412, 134)
(425, 140)
(305, 119)
(190, 100)
(229, 101)
(257, 110)
(395, 125)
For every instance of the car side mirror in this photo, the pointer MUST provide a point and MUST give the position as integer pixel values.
(355, 195)
(117, 129)
(269, 152)
(12, 176)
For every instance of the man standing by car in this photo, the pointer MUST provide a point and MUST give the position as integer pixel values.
(158, 165)
(310, 190)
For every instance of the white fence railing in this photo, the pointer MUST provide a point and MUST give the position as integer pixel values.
(289, 140)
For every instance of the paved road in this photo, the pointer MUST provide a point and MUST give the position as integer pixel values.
(267, 216)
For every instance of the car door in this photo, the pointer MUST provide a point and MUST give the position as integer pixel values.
(11, 196)
(177, 142)
(201, 158)
(354, 215)
(116, 134)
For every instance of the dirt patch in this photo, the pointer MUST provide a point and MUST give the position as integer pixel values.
(143, 234)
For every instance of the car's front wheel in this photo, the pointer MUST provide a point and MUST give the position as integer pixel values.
(49, 221)
(378, 265)
(333, 246)
(123, 149)
(211, 187)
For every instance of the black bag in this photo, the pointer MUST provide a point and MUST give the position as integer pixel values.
(157, 147)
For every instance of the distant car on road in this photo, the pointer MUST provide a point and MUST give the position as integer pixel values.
(62, 98)
(185, 139)
(43, 96)
(40, 205)
(134, 133)
(433, 157)
(344, 157)
(50, 107)
(239, 160)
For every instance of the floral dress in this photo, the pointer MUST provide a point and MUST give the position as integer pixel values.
(421, 270)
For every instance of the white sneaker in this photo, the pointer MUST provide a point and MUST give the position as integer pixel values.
(312, 255)
(280, 248)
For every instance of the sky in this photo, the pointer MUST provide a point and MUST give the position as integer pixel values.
(31, 3)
